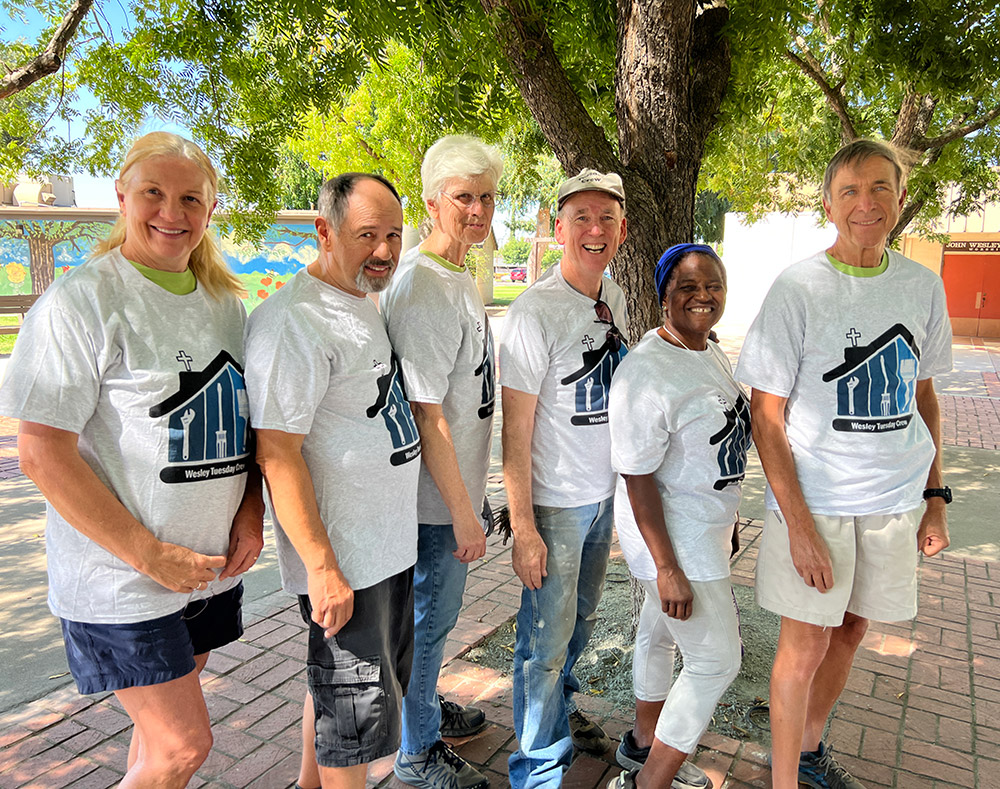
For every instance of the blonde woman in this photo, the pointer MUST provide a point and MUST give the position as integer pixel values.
(128, 381)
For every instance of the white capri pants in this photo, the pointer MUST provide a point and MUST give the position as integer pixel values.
(710, 644)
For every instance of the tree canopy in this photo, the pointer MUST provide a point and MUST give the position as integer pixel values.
(762, 93)
(924, 75)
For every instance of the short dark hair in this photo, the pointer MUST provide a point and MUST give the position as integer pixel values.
(861, 151)
(335, 193)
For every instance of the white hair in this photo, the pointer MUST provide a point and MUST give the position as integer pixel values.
(458, 156)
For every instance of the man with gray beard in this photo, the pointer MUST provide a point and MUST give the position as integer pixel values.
(340, 452)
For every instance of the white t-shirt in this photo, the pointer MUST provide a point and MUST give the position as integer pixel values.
(439, 329)
(680, 416)
(553, 346)
(153, 384)
(319, 364)
(847, 351)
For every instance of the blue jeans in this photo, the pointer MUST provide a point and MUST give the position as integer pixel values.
(438, 586)
(553, 627)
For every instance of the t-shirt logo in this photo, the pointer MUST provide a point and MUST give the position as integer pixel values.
(394, 408)
(734, 440)
(485, 369)
(208, 419)
(876, 384)
(592, 381)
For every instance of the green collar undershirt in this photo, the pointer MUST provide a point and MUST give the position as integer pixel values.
(858, 271)
(180, 283)
(442, 262)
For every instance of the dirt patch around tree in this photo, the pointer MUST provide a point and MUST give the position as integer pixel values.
(605, 667)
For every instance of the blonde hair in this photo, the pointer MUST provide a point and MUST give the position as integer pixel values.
(206, 263)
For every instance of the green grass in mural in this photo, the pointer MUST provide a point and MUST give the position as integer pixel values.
(7, 340)
(261, 285)
(505, 294)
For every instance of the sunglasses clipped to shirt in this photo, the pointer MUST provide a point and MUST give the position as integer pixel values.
(614, 337)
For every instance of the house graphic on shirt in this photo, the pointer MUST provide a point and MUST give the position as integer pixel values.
(877, 382)
(208, 419)
(485, 369)
(733, 440)
(592, 382)
(393, 406)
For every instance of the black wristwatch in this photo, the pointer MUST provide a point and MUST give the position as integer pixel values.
(941, 493)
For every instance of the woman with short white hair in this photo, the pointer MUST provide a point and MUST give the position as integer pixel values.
(440, 330)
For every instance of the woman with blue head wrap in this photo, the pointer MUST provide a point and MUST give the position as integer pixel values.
(680, 429)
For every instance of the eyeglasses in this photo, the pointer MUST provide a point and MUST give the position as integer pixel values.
(614, 337)
(467, 199)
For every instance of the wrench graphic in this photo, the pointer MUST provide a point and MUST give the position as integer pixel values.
(186, 419)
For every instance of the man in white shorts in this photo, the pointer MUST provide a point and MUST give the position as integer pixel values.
(340, 452)
(841, 360)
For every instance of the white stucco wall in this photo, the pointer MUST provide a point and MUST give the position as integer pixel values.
(756, 254)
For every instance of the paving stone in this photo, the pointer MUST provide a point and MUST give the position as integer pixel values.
(253, 766)
(101, 778)
(63, 775)
(104, 718)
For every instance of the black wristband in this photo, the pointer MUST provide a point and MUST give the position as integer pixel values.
(941, 493)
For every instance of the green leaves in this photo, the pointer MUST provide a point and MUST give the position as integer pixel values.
(902, 70)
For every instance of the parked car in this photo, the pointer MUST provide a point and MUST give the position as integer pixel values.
(518, 275)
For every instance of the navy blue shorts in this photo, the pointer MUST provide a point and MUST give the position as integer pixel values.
(358, 677)
(112, 657)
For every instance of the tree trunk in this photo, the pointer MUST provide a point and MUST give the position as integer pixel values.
(42, 265)
(671, 73)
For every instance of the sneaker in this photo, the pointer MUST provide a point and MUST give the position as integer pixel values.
(587, 735)
(629, 755)
(819, 770)
(459, 721)
(632, 757)
(439, 767)
(624, 780)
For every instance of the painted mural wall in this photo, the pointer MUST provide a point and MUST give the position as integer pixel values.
(35, 250)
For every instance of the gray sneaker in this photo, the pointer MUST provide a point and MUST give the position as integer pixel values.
(439, 767)
(820, 770)
(588, 736)
(632, 757)
(459, 721)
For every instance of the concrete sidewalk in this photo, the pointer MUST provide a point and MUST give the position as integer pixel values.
(921, 709)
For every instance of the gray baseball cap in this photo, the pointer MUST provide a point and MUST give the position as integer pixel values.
(588, 180)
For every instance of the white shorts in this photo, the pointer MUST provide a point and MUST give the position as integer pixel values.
(874, 569)
(710, 644)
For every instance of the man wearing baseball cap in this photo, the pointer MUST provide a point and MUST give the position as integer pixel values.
(561, 344)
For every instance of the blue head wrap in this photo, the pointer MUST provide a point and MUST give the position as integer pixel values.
(671, 258)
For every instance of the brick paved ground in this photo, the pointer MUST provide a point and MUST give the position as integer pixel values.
(8, 449)
(921, 709)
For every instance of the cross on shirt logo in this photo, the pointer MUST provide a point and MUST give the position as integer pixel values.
(588, 341)
(184, 359)
(853, 335)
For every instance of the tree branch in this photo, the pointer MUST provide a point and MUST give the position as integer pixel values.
(910, 210)
(809, 66)
(570, 131)
(961, 131)
(49, 61)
